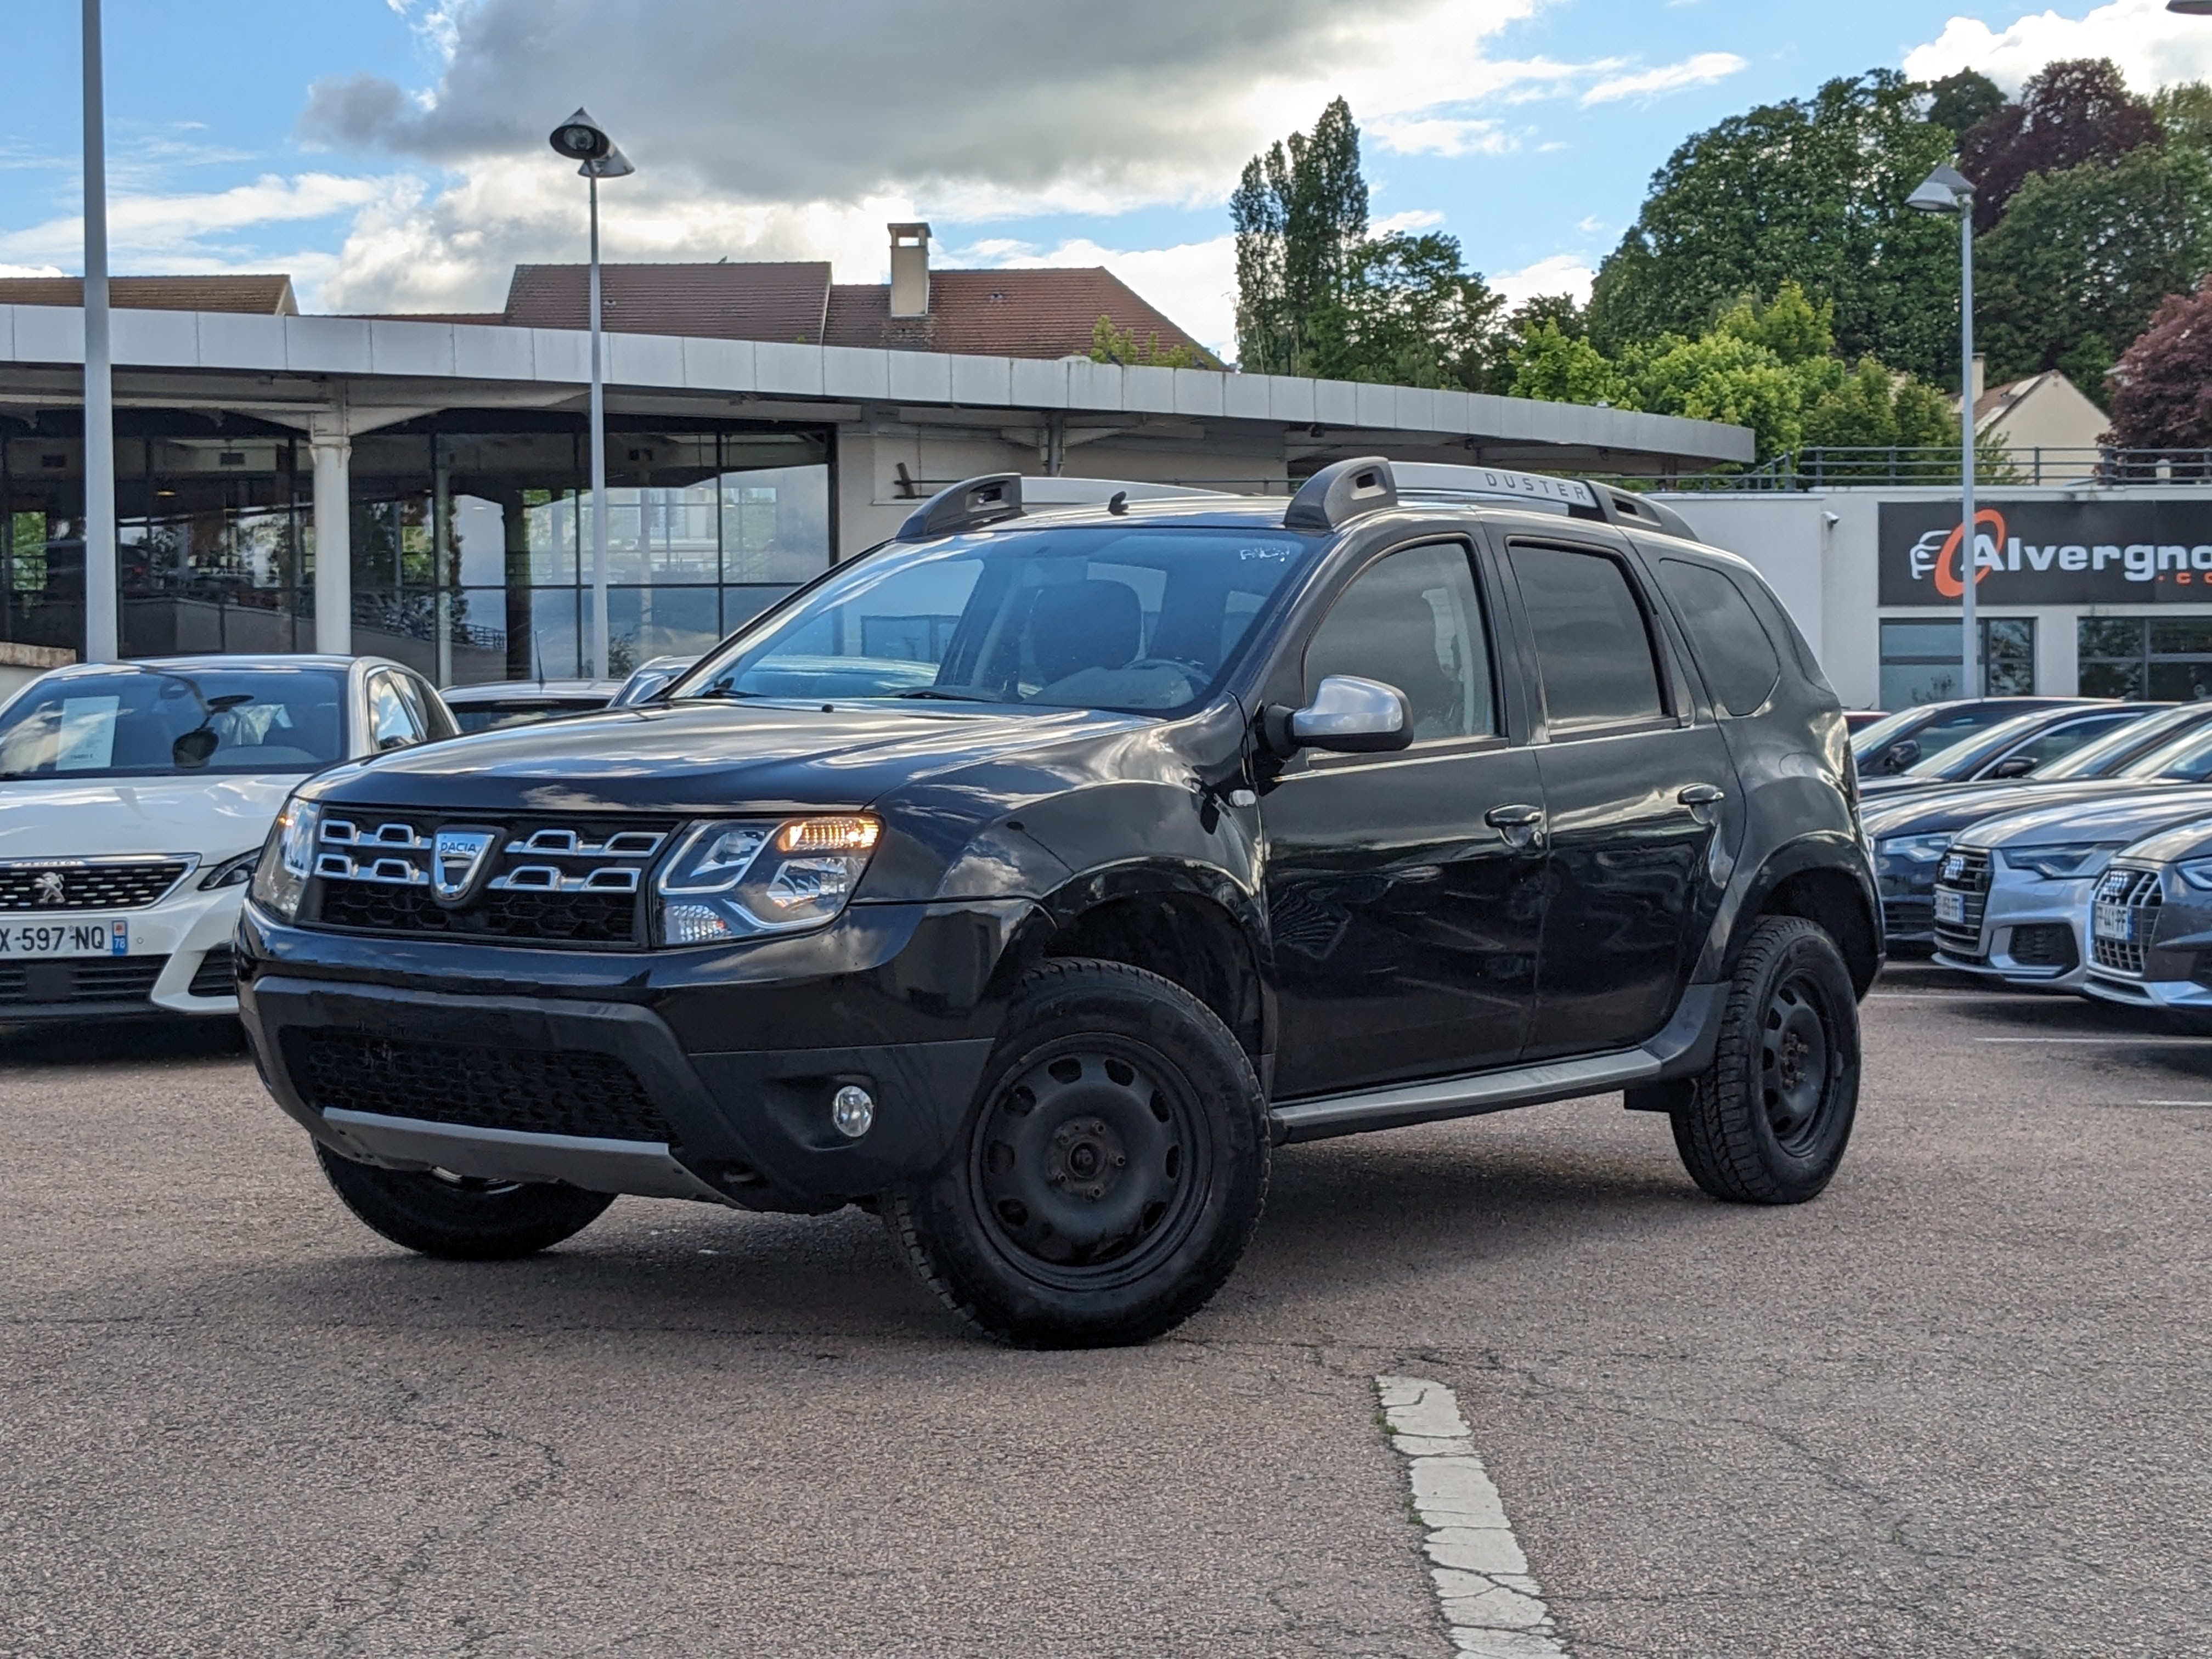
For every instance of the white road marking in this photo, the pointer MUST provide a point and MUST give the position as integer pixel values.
(2174, 1102)
(1493, 1607)
(2121, 1036)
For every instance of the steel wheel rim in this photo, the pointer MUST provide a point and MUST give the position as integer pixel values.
(1088, 1166)
(1798, 1060)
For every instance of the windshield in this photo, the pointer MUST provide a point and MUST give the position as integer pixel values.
(1961, 760)
(1868, 738)
(2187, 759)
(2113, 750)
(1143, 619)
(159, 722)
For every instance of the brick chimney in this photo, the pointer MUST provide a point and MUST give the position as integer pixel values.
(909, 271)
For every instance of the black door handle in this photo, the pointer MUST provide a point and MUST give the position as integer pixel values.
(1513, 817)
(1702, 795)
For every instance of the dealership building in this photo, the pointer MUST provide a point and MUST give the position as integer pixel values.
(762, 422)
(765, 421)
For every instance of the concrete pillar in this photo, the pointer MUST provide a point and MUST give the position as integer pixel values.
(333, 453)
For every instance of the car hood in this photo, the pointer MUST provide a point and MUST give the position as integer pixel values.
(2174, 843)
(58, 817)
(2113, 821)
(708, 757)
(1933, 811)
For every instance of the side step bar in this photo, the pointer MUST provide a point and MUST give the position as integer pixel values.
(1683, 1047)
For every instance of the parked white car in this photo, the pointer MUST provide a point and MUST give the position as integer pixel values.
(134, 799)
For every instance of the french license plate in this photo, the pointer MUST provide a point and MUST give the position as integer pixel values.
(19, 939)
(2116, 922)
(1950, 906)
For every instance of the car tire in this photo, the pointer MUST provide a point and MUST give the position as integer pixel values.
(1110, 1172)
(1767, 1123)
(457, 1217)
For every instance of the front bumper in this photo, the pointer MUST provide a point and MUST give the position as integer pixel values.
(169, 944)
(703, 1073)
(1908, 900)
(2011, 953)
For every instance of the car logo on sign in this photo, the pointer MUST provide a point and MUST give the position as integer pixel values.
(457, 858)
(51, 889)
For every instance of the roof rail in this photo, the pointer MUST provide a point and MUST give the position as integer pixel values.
(1340, 493)
(1435, 480)
(1625, 507)
(968, 505)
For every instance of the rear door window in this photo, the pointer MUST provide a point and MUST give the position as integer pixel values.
(1732, 646)
(1594, 647)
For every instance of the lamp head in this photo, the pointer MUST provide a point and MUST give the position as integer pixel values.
(1947, 190)
(2190, 8)
(580, 139)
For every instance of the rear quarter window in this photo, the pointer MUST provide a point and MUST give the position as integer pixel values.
(1733, 645)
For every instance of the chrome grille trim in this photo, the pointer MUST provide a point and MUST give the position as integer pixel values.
(1965, 871)
(2140, 895)
(125, 881)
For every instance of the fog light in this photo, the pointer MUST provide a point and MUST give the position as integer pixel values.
(852, 1110)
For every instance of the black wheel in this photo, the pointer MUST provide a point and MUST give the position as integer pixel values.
(458, 1216)
(1768, 1123)
(1113, 1168)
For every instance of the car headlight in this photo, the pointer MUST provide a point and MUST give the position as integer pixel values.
(732, 879)
(2068, 860)
(2197, 873)
(231, 873)
(1921, 849)
(287, 860)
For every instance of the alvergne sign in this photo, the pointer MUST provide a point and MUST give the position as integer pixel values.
(2051, 552)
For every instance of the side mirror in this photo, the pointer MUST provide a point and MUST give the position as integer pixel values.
(1349, 715)
(395, 741)
(195, 749)
(2012, 766)
(1899, 755)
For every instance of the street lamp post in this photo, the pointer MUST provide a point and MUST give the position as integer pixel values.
(102, 630)
(1948, 191)
(582, 140)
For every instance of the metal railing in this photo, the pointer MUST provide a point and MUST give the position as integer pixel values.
(1937, 466)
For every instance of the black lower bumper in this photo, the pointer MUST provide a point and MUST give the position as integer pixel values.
(598, 1094)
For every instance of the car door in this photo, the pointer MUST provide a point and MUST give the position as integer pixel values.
(1404, 889)
(1636, 786)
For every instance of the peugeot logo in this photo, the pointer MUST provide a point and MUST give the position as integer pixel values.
(51, 889)
(457, 858)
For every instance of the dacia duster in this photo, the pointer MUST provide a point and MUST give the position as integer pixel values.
(1029, 876)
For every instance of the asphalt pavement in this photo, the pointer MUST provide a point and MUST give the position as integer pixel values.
(1960, 1405)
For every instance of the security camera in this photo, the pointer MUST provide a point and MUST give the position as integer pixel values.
(580, 138)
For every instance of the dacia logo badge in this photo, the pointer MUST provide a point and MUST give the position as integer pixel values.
(457, 858)
(51, 889)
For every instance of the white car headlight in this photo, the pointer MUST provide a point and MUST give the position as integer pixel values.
(1921, 849)
(2197, 873)
(732, 879)
(2071, 860)
(288, 858)
(231, 872)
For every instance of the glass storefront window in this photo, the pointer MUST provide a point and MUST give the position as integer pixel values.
(2166, 659)
(1920, 660)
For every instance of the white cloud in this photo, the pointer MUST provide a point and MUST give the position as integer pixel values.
(1561, 273)
(1411, 219)
(184, 232)
(30, 270)
(1438, 136)
(2153, 46)
(1700, 71)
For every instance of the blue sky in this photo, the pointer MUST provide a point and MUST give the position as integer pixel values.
(388, 153)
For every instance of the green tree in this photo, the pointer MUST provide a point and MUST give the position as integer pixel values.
(1793, 328)
(1722, 377)
(2078, 264)
(1959, 103)
(1868, 407)
(1406, 313)
(1300, 215)
(1110, 345)
(1810, 190)
(1560, 367)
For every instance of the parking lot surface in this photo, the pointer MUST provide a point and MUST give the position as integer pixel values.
(1961, 1405)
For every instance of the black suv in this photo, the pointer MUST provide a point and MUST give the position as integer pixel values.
(1029, 876)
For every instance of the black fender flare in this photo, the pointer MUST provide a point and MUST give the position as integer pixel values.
(1833, 852)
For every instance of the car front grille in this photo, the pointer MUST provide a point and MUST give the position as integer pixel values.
(2045, 944)
(54, 885)
(2125, 901)
(548, 1092)
(94, 981)
(549, 881)
(1965, 871)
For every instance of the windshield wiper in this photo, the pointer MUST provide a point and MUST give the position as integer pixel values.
(714, 693)
(933, 695)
